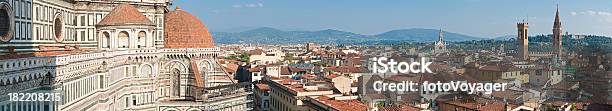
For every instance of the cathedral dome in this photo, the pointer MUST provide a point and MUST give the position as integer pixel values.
(183, 30)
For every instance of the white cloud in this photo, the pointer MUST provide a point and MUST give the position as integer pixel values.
(252, 5)
(604, 13)
(573, 13)
(601, 15)
(590, 12)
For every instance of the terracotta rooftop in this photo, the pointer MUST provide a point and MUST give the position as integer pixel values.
(295, 86)
(508, 94)
(263, 87)
(499, 68)
(37, 54)
(475, 103)
(231, 67)
(496, 106)
(400, 108)
(347, 69)
(331, 76)
(125, 14)
(183, 30)
(285, 71)
(257, 69)
(343, 105)
(45, 51)
(255, 52)
(309, 76)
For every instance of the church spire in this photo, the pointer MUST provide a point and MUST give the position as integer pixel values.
(441, 36)
(557, 23)
(440, 46)
(557, 37)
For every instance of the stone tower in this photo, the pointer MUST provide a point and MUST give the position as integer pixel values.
(557, 37)
(523, 40)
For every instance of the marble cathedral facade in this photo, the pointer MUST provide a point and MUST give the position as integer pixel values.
(111, 55)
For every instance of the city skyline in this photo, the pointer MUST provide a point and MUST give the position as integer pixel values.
(153, 55)
(464, 16)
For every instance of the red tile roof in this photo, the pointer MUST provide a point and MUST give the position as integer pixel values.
(285, 71)
(499, 68)
(255, 52)
(183, 30)
(347, 69)
(263, 87)
(400, 108)
(496, 106)
(125, 14)
(343, 105)
(296, 69)
(331, 76)
(257, 69)
(231, 67)
(38, 54)
(309, 76)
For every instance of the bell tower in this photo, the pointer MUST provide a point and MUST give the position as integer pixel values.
(523, 40)
(557, 37)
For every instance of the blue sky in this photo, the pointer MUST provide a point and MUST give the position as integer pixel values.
(483, 18)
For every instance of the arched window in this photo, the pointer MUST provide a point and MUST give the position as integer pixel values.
(176, 82)
(146, 71)
(123, 40)
(142, 39)
(105, 40)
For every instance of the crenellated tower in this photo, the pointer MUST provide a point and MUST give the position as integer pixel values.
(523, 40)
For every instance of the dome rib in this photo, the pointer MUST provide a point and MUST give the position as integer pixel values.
(125, 14)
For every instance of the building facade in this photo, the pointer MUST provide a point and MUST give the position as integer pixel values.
(440, 44)
(111, 55)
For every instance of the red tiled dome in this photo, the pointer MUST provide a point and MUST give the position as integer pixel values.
(125, 14)
(183, 30)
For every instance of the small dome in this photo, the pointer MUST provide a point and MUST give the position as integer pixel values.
(125, 14)
(183, 30)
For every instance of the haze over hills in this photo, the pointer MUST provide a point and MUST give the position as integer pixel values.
(505, 37)
(267, 35)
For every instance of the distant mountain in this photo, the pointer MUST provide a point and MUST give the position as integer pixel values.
(267, 35)
(236, 29)
(422, 35)
(505, 37)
